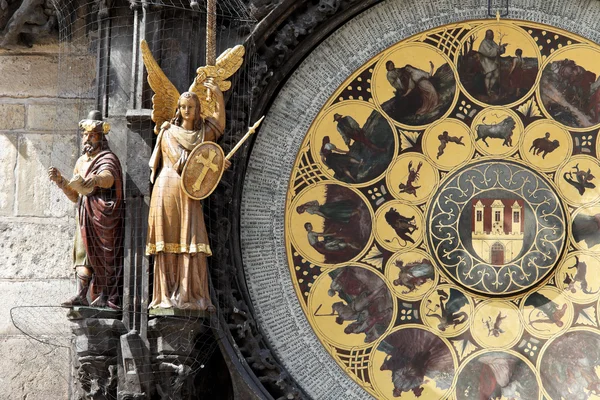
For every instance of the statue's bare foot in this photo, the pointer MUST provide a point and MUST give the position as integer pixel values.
(100, 302)
(113, 306)
(75, 301)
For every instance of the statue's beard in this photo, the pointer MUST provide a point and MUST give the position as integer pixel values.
(90, 148)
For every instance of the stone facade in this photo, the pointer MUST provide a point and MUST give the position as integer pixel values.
(38, 117)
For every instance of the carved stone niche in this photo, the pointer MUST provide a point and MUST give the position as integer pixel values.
(96, 347)
(174, 356)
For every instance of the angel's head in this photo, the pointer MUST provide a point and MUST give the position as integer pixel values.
(188, 109)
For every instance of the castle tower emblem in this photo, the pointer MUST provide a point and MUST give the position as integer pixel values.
(497, 229)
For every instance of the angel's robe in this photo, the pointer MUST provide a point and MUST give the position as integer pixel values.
(176, 231)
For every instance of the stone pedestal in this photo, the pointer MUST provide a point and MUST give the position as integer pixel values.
(174, 355)
(96, 347)
(113, 364)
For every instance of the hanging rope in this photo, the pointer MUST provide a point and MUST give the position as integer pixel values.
(211, 32)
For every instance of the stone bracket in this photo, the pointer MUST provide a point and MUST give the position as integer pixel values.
(495, 9)
(112, 363)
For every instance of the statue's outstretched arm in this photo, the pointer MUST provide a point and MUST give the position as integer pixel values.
(63, 184)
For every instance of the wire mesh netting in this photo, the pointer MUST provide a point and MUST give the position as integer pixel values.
(136, 244)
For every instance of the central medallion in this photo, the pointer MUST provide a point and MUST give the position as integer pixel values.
(496, 227)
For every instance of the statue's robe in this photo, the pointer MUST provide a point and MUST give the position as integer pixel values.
(101, 226)
(177, 235)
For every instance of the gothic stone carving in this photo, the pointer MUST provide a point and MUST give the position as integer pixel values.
(96, 343)
(22, 20)
(174, 356)
(97, 376)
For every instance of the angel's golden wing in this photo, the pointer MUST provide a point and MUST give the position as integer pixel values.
(164, 101)
(227, 64)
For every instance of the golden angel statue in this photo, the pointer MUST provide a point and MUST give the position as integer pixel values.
(177, 234)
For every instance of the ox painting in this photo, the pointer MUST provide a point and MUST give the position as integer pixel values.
(502, 130)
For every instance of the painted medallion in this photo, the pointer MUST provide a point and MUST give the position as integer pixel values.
(443, 220)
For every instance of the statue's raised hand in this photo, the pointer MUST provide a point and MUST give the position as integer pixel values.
(54, 175)
(213, 87)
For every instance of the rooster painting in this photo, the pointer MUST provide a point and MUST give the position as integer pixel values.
(495, 376)
(570, 365)
(416, 356)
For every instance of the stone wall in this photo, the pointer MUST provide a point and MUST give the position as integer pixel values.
(40, 105)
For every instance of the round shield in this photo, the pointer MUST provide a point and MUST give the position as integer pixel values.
(202, 171)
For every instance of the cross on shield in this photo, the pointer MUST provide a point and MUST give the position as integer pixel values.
(203, 170)
(207, 163)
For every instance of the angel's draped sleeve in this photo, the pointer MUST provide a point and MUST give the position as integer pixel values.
(155, 159)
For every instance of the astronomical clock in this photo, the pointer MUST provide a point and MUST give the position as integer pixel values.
(422, 219)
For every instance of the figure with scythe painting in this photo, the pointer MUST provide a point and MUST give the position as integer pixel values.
(366, 302)
(489, 56)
